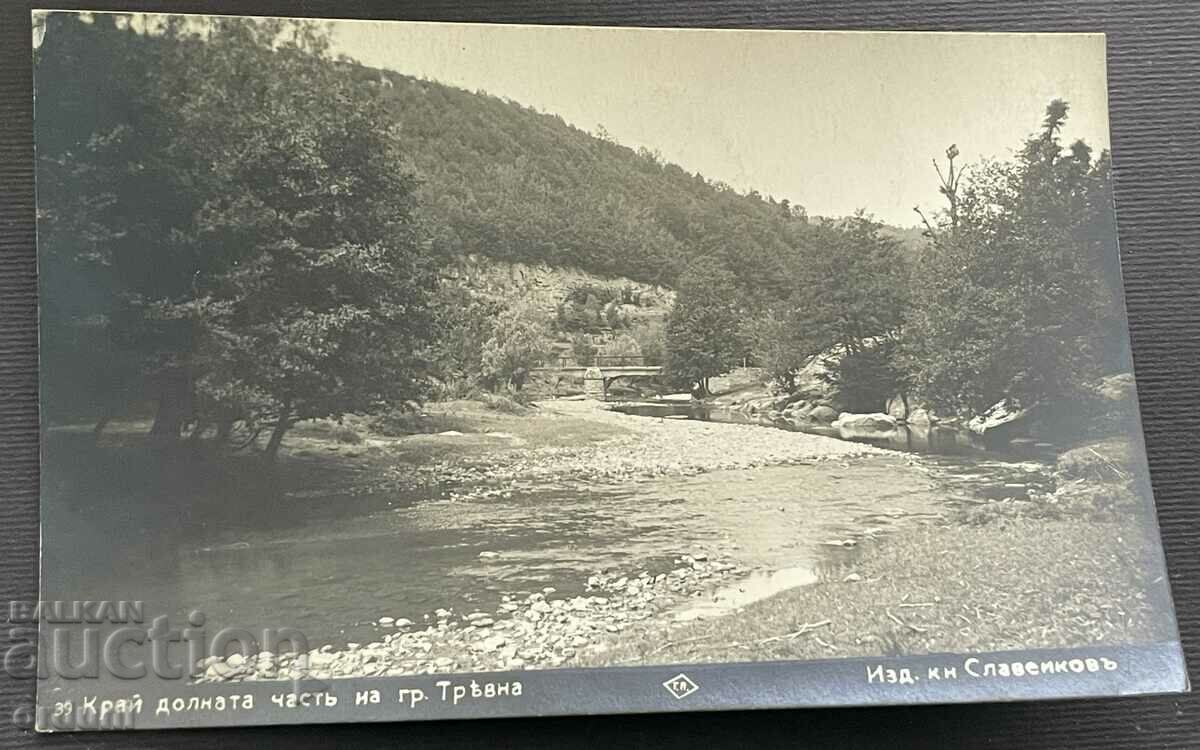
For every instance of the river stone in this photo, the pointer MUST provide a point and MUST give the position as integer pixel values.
(875, 421)
(235, 660)
(1000, 420)
(443, 661)
(920, 416)
(823, 414)
(402, 622)
(492, 645)
(318, 659)
(1117, 388)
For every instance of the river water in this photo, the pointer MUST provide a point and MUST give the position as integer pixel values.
(333, 574)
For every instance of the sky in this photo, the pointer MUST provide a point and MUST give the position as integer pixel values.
(832, 121)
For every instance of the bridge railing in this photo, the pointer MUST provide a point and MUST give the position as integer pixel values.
(603, 360)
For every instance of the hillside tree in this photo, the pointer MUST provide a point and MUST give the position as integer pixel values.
(701, 332)
(1008, 294)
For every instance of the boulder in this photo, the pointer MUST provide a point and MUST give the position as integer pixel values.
(1117, 388)
(920, 416)
(1003, 421)
(493, 644)
(868, 422)
(811, 380)
(797, 411)
(823, 414)
(898, 408)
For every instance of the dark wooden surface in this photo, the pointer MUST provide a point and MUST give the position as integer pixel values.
(1154, 69)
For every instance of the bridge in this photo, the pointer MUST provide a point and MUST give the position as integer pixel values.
(602, 371)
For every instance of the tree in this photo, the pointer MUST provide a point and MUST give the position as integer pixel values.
(701, 338)
(1008, 293)
(259, 252)
(326, 307)
(850, 289)
(582, 349)
(650, 336)
(113, 208)
(464, 319)
(868, 376)
(848, 300)
(622, 350)
(519, 342)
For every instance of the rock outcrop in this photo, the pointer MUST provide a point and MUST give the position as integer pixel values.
(877, 422)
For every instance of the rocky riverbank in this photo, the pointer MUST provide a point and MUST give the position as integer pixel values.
(1067, 567)
(488, 455)
(881, 603)
(536, 631)
(632, 449)
(1014, 583)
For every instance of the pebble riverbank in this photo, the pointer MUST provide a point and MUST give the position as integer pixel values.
(649, 448)
(540, 630)
(531, 632)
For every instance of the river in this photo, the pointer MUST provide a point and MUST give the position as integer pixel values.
(334, 573)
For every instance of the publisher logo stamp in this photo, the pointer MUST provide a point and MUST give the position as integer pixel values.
(681, 686)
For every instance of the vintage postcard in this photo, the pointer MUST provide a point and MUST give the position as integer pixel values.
(409, 370)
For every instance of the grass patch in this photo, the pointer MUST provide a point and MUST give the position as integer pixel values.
(1108, 460)
(1020, 583)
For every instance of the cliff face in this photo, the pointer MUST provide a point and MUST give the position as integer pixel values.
(548, 286)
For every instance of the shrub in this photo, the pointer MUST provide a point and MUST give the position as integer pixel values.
(510, 403)
(347, 435)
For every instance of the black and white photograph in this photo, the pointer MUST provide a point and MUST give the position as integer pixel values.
(399, 370)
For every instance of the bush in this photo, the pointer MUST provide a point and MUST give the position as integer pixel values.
(582, 349)
(399, 422)
(651, 341)
(510, 403)
(866, 378)
(347, 435)
(625, 347)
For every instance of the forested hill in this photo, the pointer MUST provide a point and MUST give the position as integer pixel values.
(506, 181)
